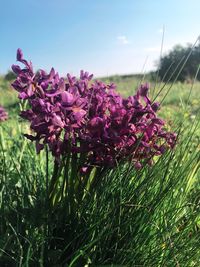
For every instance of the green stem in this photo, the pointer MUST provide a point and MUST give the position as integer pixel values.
(72, 181)
(54, 181)
(65, 184)
(47, 171)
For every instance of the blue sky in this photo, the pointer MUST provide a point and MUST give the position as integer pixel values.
(103, 37)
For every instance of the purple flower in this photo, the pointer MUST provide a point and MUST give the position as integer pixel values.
(144, 88)
(19, 54)
(3, 114)
(67, 98)
(90, 119)
(155, 106)
(16, 69)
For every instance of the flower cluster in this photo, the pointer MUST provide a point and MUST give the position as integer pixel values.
(3, 114)
(89, 119)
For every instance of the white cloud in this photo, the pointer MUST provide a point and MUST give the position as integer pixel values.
(122, 39)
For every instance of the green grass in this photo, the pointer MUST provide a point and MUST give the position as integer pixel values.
(144, 218)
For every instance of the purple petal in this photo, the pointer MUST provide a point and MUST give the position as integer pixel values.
(17, 85)
(67, 98)
(19, 55)
(56, 120)
(23, 95)
(138, 165)
(157, 121)
(155, 106)
(16, 69)
(39, 147)
(143, 90)
(30, 91)
(51, 74)
(78, 114)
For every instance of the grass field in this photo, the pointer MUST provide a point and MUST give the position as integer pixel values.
(148, 217)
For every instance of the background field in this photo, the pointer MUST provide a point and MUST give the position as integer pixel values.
(181, 100)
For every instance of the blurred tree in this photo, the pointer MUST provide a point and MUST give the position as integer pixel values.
(171, 64)
(10, 76)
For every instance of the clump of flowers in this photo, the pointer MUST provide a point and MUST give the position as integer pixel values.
(3, 114)
(90, 119)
